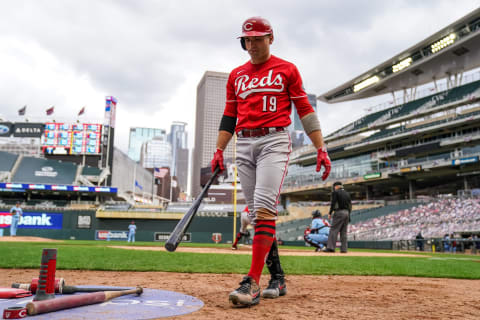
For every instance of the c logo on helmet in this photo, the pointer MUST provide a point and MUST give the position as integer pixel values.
(248, 26)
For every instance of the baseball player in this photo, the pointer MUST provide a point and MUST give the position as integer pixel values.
(132, 229)
(317, 235)
(258, 107)
(16, 213)
(245, 222)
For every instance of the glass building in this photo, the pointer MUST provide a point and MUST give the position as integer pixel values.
(156, 153)
(178, 139)
(299, 137)
(140, 135)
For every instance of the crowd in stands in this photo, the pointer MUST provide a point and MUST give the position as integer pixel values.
(434, 219)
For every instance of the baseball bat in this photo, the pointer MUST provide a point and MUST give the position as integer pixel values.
(73, 289)
(182, 226)
(61, 288)
(78, 300)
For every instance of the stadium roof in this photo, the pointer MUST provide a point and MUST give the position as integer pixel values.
(452, 50)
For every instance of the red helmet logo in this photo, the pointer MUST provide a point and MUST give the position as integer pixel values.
(256, 27)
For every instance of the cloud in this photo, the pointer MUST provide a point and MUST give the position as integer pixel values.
(152, 54)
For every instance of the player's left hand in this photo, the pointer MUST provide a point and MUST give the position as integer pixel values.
(323, 160)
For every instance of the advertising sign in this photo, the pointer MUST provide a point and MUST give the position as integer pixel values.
(163, 236)
(375, 175)
(28, 130)
(107, 235)
(46, 172)
(457, 162)
(33, 220)
(5, 129)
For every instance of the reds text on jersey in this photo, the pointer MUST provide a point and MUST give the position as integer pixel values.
(260, 95)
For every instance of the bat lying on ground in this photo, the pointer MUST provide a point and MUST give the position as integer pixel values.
(182, 226)
(67, 302)
(64, 289)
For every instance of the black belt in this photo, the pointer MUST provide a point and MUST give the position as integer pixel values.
(258, 132)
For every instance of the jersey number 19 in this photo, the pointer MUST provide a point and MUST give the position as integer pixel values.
(269, 104)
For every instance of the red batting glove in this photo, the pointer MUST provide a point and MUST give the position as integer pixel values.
(218, 160)
(323, 159)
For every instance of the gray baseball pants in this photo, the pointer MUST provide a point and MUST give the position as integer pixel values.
(262, 166)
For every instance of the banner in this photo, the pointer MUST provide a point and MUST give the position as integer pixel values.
(28, 130)
(163, 236)
(33, 220)
(25, 186)
(457, 162)
(108, 235)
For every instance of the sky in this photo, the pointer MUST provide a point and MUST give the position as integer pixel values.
(151, 55)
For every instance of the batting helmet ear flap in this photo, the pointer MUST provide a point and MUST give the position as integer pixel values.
(242, 43)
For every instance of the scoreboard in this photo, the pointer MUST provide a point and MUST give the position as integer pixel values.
(74, 139)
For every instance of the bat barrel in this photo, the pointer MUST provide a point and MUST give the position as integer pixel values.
(78, 300)
(38, 307)
(182, 226)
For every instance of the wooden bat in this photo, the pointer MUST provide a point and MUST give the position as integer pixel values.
(78, 300)
(73, 289)
(61, 288)
(182, 226)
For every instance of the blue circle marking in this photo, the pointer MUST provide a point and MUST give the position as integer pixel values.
(151, 304)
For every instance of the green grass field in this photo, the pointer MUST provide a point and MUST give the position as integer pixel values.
(95, 255)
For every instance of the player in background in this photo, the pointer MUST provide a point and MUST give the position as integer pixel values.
(132, 229)
(317, 235)
(16, 213)
(258, 108)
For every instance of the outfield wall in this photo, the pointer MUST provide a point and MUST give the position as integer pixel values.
(84, 225)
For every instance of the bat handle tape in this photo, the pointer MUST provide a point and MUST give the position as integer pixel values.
(14, 313)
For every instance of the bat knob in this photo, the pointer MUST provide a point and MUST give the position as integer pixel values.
(139, 290)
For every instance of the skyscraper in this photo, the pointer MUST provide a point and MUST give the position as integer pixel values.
(156, 153)
(299, 137)
(296, 123)
(179, 141)
(211, 96)
(140, 135)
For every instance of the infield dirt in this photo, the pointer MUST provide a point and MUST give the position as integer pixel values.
(309, 297)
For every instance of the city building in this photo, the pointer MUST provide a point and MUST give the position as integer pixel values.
(178, 139)
(211, 95)
(140, 135)
(299, 137)
(156, 153)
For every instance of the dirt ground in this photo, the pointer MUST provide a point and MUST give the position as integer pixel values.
(309, 297)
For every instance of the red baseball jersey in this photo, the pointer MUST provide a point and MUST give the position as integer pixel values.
(260, 95)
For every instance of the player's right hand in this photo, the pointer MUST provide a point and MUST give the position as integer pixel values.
(218, 160)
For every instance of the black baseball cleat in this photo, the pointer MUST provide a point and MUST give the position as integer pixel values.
(328, 250)
(275, 289)
(248, 294)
